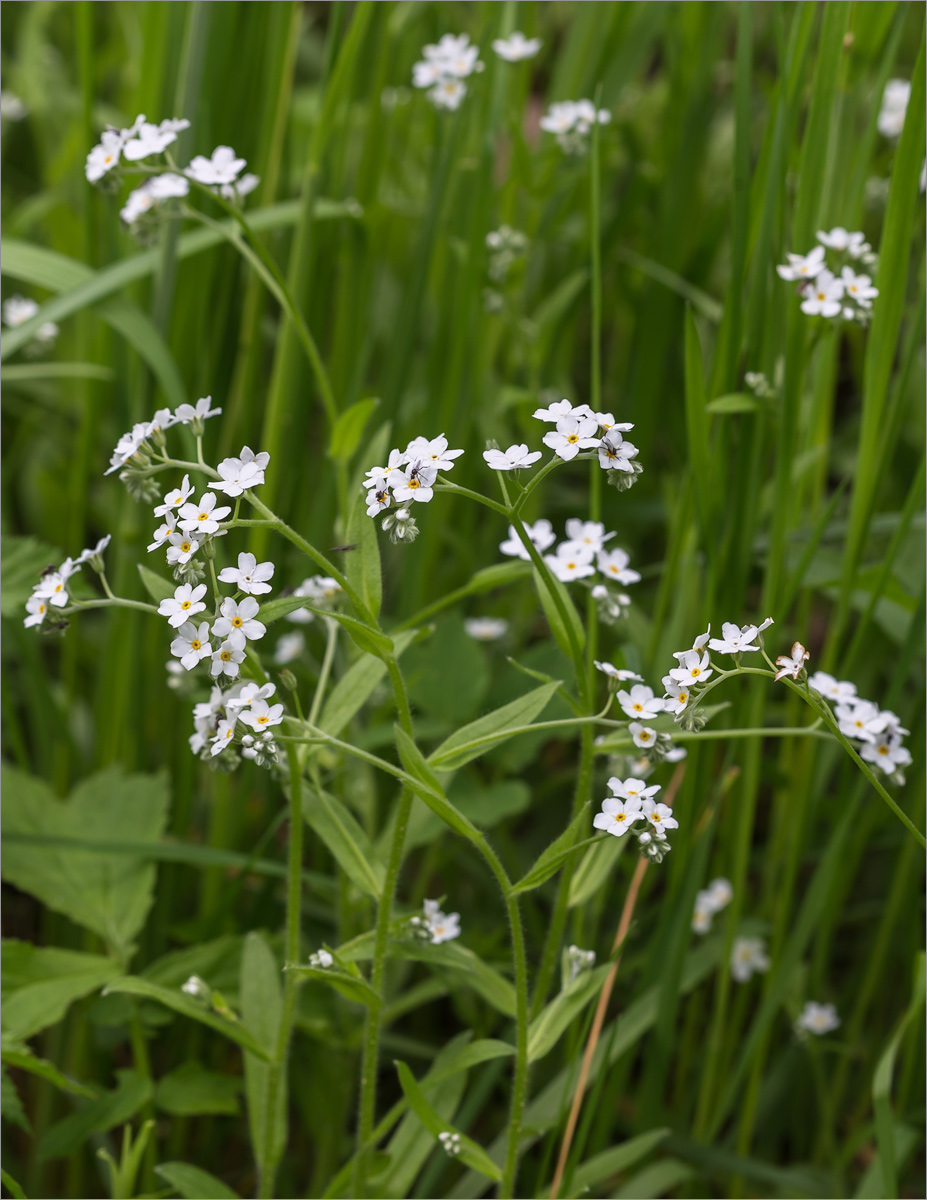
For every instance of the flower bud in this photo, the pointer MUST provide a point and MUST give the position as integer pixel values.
(288, 679)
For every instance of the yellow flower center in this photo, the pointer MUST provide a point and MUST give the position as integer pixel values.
(620, 817)
(263, 720)
(655, 817)
(638, 707)
(696, 670)
(237, 622)
(226, 656)
(573, 437)
(185, 547)
(185, 604)
(59, 587)
(204, 516)
(196, 645)
(414, 483)
(883, 749)
(683, 697)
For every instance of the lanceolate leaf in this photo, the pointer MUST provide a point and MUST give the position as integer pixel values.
(425, 785)
(470, 1153)
(341, 833)
(556, 853)
(481, 735)
(550, 1024)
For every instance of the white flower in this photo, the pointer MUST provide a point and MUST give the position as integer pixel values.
(203, 516)
(163, 532)
(443, 927)
(640, 704)
(186, 602)
(841, 239)
(541, 534)
(830, 688)
(614, 564)
(128, 446)
(737, 639)
(794, 663)
(196, 987)
(138, 202)
(572, 435)
(455, 55)
(712, 900)
(748, 957)
(152, 139)
(176, 498)
(415, 483)
(699, 642)
(450, 1142)
(17, 310)
(886, 752)
(641, 735)
(677, 695)
(660, 816)
(615, 454)
(859, 287)
(191, 644)
(516, 47)
(803, 266)
(559, 409)
(617, 816)
(378, 476)
(11, 107)
(93, 551)
(588, 534)
(859, 719)
(578, 961)
(185, 413)
(37, 608)
(512, 459)
(103, 158)
(573, 116)
(606, 421)
(225, 731)
(242, 694)
(894, 107)
(722, 893)
(260, 715)
(240, 474)
(322, 960)
(817, 1018)
(222, 168)
(614, 672)
(53, 587)
(570, 562)
(692, 668)
(824, 297)
(250, 575)
(182, 547)
(225, 660)
(238, 620)
(432, 452)
(486, 629)
(448, 93)
(289, 647)
(632, 789)
(701, 916)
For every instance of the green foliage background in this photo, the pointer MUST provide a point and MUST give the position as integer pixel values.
(738, 130)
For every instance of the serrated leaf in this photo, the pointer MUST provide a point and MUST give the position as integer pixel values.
(261, 1012)
(481, 735)
(425, 784)
(550, 1024)
(40, 983)
(556, 854)
(347, 430)
(471, 1154)
(194, 1183)
(348, 842)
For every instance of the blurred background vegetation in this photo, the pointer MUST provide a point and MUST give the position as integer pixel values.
(806, 505)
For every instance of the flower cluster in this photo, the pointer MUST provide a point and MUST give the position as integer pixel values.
(579, 428)
(450, 1143)
(632, 801)
(840, 293)
(134, 450)
(748, 958)
(878, 732)
(410, 475)
(505, 246)
(693, 667)
(817, 1019)
(436, 926)
(143, 140)
(444, 68)
(322, 590)
(571, 121)
(52, 589)
(709, 902)
(239, 718)
(516, 47)
(321, 960)
(574, 962)
(17, 310)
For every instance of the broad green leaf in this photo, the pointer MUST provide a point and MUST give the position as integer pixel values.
(602, 1166)
(356, 686)
(735, 402)
(471, 1154)
(11, 1185)
(22, 560)
(559, 628)
(658, 1179)
(904, 1142)
(551, 859)
(449, 654)
(26, 372)
(97, 1116)
(550, 1024)
(11, 1107)
(40, 983)
(352, 986)
(370, 640)
(191, 1090)
(363, 562)
(157, 587)
(476, 738)
(193, 1183)
(349, 427)
(107, 894)
(426, 786)
(261, 1013)
(16, 1053)
(596, 867)
(187, 1006)
(217, 962)
(348, 842)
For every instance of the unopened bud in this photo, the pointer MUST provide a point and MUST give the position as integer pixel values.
(288, 679)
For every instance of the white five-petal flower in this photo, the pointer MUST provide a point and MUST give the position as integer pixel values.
(572, 435)
(191, 644)
(516, 47)
(512, 459)
(238, 620)
(203, 517)
(640, 704)
(617, 816)
(250, 575)
(185, 603)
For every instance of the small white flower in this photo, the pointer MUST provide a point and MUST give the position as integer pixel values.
(573, 116)
(792, 664)
(17, 310)
(196, 987)
(221, 168)
(692, 668)
(289, 647)
(839, 691)
(699, 642)
(721, 892)
(886, 752)
(105, 156)
(701, 915)
(240, 695)
(570, 562)
(840, 239)
(803, 266)
(859, 287)
(614, 565)
(182, 548)
(617, 816)
(572, 435)
(641, 735)
(516, 47)
(240, 474)
(53, 587)
(260, 715)
(152, 139)
(191, 644)
(588, 534)
(225, 660)
(894, 107)
(443, 927)
(378, 498)
(824, 296)
(660, 816)
(185, 413)
(238, 620)
(128, 446)
(414, 483)
(616, 454)
(448, 93)
(512, 459)
(37, 608)
(241, 187)
(450, 1143)
(432, 452)
(640, 704)
(186, 602)
(559, 409)
(677, 695)
(163, 532)
(176, 499)
(614, 672)
(250, 575)
(486, 629)
(225, 732)
(860, 719)
(541, 534)
(748, 957)
(817, 1019)
(632, 789)
(737, 639)
(203, 517)
(322, 960)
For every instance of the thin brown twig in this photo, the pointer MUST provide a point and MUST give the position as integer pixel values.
(624, 924)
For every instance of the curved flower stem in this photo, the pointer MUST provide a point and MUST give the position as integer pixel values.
(328, 658)
(550, 465)
(77, 606)
(446, 486)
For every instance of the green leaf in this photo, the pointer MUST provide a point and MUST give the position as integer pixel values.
(11, 1107)
(560, 630)
(16, 1053)
(108, 894)
(26, 372)
(449, 654)
(488, 804)
(551, 1022)
(882, 1084)
(602, 1166)
(471, 1154)
(348, 842)
(191, 1090)
(425, 784)
(596, 867)
(157, 587)
(363, 563)
(348, 429)
(476, 738)
(370, 640)
(97, 1116)
(261, 1012)
(352, 986)
(734, 402)
(22, 560)
(657, 1179)
(697, 422)
(12, 1186)
(193, 1183)
(556, 854)
(187, 1006)
(356, 686)
(40, 983)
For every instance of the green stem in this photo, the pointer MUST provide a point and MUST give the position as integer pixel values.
(446, 486)
(550, 465)
(327, 660)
